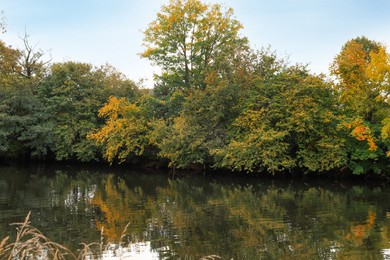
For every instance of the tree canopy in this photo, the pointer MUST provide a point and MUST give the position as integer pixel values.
(188, 40)
(217, 103)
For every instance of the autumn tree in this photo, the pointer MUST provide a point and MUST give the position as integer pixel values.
(362, 70)
(125, 132)
(188, 39)
(8, 61)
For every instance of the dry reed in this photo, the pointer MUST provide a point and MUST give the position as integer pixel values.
(30, 243)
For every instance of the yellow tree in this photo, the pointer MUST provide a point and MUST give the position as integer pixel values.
(187, 39)
(124, 132)
(362, 70)
(121, 135)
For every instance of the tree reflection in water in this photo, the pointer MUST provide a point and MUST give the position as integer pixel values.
(196, 216)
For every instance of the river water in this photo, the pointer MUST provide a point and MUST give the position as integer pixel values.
(154, 215)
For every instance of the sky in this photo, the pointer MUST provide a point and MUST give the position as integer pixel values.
(111, 31)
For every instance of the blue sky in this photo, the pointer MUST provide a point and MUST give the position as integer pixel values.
(110, 31)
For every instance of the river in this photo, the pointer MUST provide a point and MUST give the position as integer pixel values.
(155, 215)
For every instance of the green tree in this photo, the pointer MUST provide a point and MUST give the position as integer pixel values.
(24, 129)
(73, 93)
(202, 122)
(116, 83)
(288, 121)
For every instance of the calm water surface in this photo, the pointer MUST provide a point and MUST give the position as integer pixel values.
(189, 217)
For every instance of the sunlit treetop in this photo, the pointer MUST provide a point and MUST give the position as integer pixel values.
(188, 38)
(362, 69)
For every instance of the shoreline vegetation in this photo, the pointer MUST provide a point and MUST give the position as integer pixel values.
(217, 104)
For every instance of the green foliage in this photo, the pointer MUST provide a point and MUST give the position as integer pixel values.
(200, 128)
(286, 123)
(23, 125)
(24, 129)
(68, 93)
(73, 93)
(45, 111)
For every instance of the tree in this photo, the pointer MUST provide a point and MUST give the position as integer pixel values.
(8, 61)
(126, 130)
(200, 127)
(73, 93)
(30, 61)
(24, 128)
(201, 121)
(362, 70)
(116, 83)
(187, 40)
(289, 121)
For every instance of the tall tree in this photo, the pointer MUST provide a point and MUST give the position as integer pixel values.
(362, 70)
(202, 123)
(187, 40)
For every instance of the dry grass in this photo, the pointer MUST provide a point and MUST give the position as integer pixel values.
(30, 243)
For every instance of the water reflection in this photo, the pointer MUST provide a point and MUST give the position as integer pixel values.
(197, 216)
(140, 250)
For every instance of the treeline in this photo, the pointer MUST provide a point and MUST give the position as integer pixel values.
(46, 110)
(217, 103)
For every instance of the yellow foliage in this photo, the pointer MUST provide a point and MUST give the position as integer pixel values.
(114, 201)
(379, 67)
(124, 130)
(350, 65)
